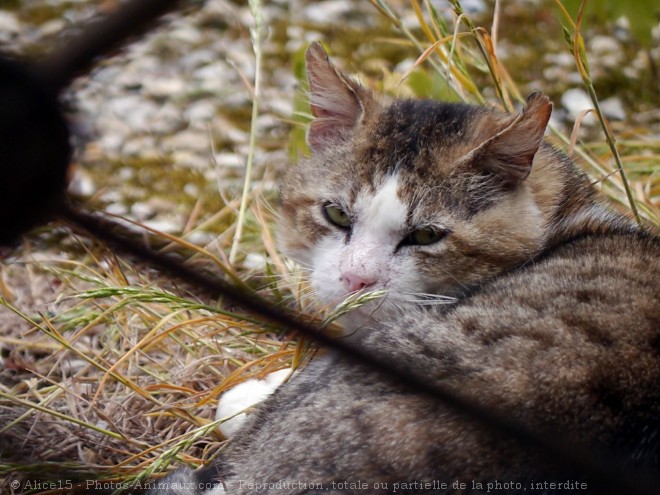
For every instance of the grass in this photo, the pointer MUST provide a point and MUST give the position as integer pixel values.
(128, 362)
(118, 374)
(456, 56)
(257, 33)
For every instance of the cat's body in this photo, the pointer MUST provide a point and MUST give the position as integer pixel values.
(554, 314)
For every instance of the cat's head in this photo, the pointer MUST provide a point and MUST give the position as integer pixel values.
(412, 196)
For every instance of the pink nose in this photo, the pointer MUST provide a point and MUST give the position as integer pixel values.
(356, 282)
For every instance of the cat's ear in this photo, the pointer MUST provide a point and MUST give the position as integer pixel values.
(336, 101)
(509, 153)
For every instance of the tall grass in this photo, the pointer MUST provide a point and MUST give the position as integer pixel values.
(457, 52)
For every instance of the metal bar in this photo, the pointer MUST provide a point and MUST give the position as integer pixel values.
(61, 66)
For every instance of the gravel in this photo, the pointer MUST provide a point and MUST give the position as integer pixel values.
(182, 93)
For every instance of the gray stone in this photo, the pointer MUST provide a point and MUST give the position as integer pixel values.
(82, 183)
(613, 108)
(200, 237)
(168, 226)
(200, 112)
(145, 147)
(116, 209)
(188, 140)
(52, 27)
(10, 26)
(229, 160)
(575, 101)
(142, 211)
(212, 77)
(166, 87)
(185, 158)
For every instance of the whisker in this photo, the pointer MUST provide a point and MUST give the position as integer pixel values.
(426, 299)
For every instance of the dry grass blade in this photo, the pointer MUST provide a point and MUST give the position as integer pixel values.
(145, 354)
(425, 55)
(576, 130)
(579, 54)
(257, 32)
(51, 412)
(226, 269)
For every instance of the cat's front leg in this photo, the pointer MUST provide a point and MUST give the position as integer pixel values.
(235, 404)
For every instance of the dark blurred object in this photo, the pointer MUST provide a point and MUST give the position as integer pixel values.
(35, 146)
(100, 37)
(34, 151)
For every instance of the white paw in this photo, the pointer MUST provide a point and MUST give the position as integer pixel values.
(244, 396)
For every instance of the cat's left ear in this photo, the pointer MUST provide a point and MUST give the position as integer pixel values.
(509, 154)
(336, 101)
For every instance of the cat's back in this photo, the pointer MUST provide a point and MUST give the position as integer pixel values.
(568, 343)
(580, 319)
(606, 278)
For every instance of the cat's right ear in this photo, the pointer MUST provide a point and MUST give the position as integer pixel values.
(336, 101)
(509, 154)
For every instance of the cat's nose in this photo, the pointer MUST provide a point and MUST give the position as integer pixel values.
(355, 282)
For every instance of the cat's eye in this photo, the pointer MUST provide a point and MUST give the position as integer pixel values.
(423, 237)
(337, 216)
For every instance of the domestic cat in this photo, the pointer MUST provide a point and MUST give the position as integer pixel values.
(509, 279)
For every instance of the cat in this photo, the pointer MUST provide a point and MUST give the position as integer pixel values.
(509, 279)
